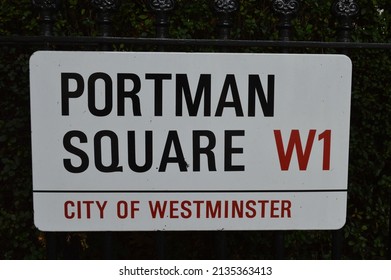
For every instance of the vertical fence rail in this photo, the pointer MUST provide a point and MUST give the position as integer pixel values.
(345, 12)
(389, 228)
(105, 10)
(225, 10)
(47, 10)
(161, 8)
(286, 11)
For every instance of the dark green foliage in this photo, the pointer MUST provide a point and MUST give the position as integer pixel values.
(366, 231)
(18, 236)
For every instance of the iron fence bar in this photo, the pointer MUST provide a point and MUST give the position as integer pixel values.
(337, 244)
(279, 245)
(108, 246)
(47, 10)
(94, 41)
(224, 10)
(345, 12)
(51, 245)
(389, 229)
(161, 245)
(161, 10)
(221, 246)
(286, 11)
(105, 11)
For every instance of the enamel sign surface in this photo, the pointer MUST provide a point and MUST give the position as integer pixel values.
(189, 141)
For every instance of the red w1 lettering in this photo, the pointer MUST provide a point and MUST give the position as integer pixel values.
(303, 156)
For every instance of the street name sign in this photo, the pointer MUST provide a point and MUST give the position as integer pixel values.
(189, 141)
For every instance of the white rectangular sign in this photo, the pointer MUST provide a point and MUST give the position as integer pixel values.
(189, 141)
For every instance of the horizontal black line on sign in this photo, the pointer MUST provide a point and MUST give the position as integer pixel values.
(188, 191)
